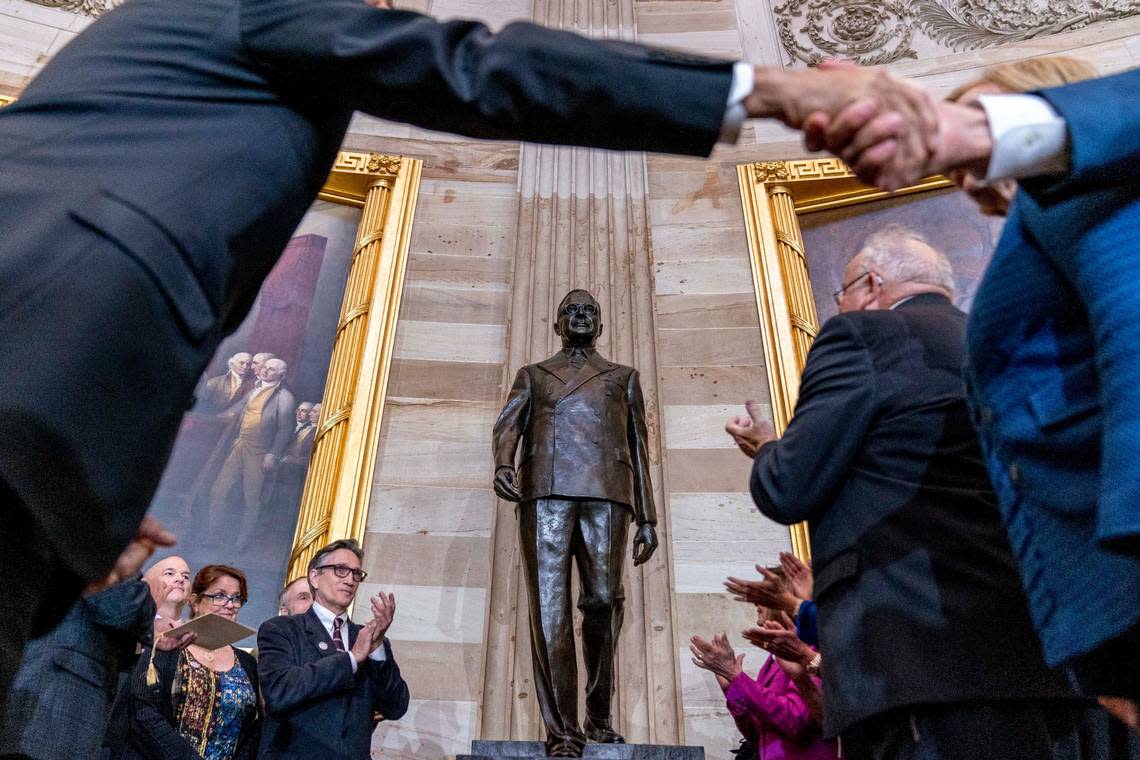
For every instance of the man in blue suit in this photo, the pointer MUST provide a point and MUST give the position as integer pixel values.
(1052, 348)
(324, 676)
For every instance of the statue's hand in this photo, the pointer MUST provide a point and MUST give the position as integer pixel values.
(505, 484)
(644, 543)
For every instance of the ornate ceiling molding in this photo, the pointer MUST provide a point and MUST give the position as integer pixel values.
(867, 31)
(881, 31)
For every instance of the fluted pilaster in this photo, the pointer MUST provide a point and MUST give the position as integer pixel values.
(583, 223)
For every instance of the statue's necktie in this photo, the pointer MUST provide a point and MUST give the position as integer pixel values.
(338, 640)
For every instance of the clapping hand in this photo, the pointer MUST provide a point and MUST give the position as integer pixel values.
(779, 638)
(798, 574)
(717, 657)
(383, 611)
(751, 432)
(769, 592)
(371, 636)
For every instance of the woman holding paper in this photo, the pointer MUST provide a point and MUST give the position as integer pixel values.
(199, 703)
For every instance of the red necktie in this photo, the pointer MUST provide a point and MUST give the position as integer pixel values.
(338, 642)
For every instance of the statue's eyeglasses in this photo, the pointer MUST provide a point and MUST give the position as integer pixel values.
(586, 308)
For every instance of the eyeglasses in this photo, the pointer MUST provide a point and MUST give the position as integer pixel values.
(343, 571)
(219, 599)
(838, 295)
(586, 308)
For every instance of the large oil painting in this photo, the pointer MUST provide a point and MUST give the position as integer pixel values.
(948, 219)
(233, 487)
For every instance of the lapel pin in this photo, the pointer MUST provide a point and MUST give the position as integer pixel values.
(322, 645)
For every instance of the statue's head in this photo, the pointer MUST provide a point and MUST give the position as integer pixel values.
(579, 319)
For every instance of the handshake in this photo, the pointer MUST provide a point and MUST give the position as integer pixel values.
(890, 131)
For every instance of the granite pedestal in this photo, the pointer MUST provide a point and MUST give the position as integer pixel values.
(501, 750)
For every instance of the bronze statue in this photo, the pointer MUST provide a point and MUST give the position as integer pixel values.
(583, 476)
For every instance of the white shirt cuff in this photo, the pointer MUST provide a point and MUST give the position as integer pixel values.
(380, 655)
(352, 659)
(743, 80)
(1030, 138)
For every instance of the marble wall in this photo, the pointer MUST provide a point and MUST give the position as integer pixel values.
(430, 528)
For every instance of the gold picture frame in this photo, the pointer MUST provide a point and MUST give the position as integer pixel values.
(338, 485)
(774, 194)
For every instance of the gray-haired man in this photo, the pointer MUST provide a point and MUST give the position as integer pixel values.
(909, 552)
(323, 676)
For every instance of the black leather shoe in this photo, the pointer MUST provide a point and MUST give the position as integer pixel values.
(563, 749)
(603, 734)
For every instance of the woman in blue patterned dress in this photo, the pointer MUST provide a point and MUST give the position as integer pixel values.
(205, 704)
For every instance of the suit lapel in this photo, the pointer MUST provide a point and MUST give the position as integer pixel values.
(317, 635)
(559, 366)
(593, 367)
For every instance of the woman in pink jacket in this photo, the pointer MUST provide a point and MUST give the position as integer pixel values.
(771, 712)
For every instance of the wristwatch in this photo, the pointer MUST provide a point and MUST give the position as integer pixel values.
(814, 666)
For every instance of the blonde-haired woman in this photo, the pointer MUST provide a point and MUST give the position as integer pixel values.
(993, 198)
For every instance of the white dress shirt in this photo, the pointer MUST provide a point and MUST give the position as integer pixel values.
(743, 80)
(327, 617)
(1029, 137)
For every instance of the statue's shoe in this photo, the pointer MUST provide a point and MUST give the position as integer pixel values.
(563, 749)
(604, 735)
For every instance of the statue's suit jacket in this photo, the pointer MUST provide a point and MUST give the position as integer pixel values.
(582, 431)
(152, 173)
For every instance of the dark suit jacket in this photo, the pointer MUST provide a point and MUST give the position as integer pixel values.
(152, 713)
(917, 591)
(583, 433)
(1054, 374)
(58, 703)
(156, 167)
(316, 706)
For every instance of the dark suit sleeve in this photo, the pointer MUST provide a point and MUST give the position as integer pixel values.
(644, 511)
(512, 421)
(524, 83)
(152, 733)
(1104, 134)
(389, 690)
(795, 477)
(125, 607)
(285, 683)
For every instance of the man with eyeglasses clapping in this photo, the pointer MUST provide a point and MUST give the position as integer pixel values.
(324, 676)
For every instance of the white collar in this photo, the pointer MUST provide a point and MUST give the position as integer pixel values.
(327, 617)
(900, 302)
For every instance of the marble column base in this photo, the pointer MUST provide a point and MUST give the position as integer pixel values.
(501, 750)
